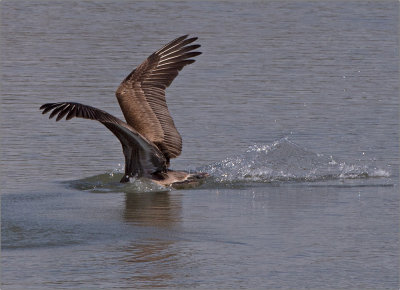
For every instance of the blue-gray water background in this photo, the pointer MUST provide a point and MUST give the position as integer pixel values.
(293, 107)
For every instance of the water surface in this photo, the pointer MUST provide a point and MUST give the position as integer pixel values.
(293, 107)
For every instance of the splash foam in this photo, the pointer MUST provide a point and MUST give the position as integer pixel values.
(284, 160)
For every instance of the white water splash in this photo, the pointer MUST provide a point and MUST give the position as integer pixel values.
(284, 160)
(109, 182)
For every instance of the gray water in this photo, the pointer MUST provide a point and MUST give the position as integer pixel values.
(292, 107)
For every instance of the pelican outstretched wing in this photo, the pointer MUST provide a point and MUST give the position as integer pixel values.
(141, 157)
(141, 95)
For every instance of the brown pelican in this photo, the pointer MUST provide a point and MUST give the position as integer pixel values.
(149, 137)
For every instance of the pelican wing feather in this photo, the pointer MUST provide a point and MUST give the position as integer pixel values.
(142, 158)
(141, 95)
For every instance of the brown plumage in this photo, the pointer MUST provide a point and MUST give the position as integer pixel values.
(149, 137)
(141, 95)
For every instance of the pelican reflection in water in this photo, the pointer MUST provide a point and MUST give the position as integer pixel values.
(149, 137)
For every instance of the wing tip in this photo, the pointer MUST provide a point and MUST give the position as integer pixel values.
(185, 38)
(193, 38)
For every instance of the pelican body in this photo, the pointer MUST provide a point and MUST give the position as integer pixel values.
(148, 136)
